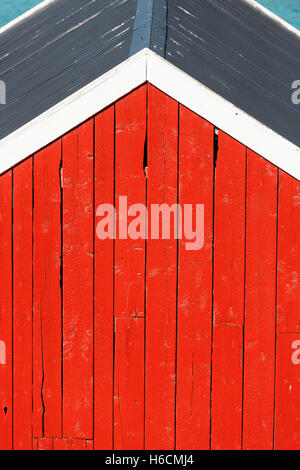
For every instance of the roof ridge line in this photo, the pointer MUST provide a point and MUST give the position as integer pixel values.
(144, 28)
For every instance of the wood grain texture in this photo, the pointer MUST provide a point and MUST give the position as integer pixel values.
(22, 306)
(260, 298)
(76, 444)
(195, 287)
(129, 384)
(47, 325)
(104, 285)
(288, 293)
(60, 444)
(161, 275)
(90, 445)
(287, 400)
(130, 182)
(6, 323)
(78, 282)
(132, 343)
(228, 301)
(226, 404)
(45, 443)
(229, 244)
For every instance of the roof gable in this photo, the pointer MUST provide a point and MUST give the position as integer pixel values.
(67, 61)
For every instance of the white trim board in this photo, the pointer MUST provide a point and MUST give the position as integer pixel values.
(148, 66)
(72, 111)
(26, 15)
(273, 16)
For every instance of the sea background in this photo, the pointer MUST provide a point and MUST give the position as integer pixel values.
(289, 10)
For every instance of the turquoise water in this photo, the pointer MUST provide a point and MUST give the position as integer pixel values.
(287, 9)
(10, 9)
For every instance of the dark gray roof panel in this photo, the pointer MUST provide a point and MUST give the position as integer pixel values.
(232, 48)
(57, 51)
(241, 54)
(159, 27)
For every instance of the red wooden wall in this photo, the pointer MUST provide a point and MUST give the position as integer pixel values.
(133, 344)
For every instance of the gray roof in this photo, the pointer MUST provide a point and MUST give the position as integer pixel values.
(228, 45)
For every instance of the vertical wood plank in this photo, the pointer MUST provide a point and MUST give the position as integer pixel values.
(288, 291)
(259, 337)
(195, 287)
(6, 311)
(76, 444)
(161, 276)
(287, 404)
(60, 444)
(35, 443)
(90, 445)
(287, 409)
(47, 293)
(104, 284)
(229, 251)
(227, 388)
(129, 384)
(129, 271)
(228, 302)
(78, 282)
(22, 306)
(130, 182)
(45, 443)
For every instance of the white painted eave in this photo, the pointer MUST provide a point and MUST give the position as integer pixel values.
(148, 66)
(72, 111)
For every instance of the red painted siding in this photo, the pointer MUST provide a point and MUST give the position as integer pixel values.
(132, 344)
(260, 299)
(194, 323)
(22, 305)
(228, 293)
(287, 401)
(47, 327)
(77, 280)
(6, 322)
(161, 276)
(104, 285)
(129, 384)
(130, 134)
